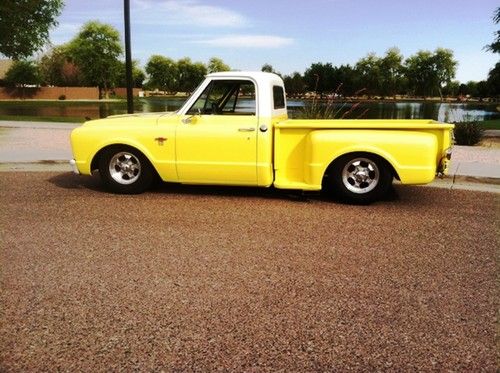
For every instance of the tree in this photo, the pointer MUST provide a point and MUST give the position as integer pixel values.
(58, 70)
(419, 72)
(444, 68)
(369, 69)
(267, 68)
(319, 78)
(96, 50)
(494, 80)
(23, 73)
(391, 72)
(452, 89)
(138, 76)
(182, 76)
(428, 72)
(216, 64)
(347, 79)
(162, 73)
(472, 88)
(294, 84)
(25, 25)
(483, 89)
(189, 74)
(495, 46)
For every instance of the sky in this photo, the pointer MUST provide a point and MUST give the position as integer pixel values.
(290, 35)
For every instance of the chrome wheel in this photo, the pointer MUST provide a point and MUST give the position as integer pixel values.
(124, 168)
(360, 175)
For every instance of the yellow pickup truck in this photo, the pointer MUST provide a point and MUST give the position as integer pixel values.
(234, 130)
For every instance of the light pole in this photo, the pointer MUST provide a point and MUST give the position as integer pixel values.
(128, 58)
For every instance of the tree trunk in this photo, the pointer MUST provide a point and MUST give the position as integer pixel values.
(106, 93)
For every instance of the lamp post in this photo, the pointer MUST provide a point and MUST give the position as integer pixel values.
(128, 58)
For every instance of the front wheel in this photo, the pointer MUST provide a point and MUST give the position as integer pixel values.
(359, 178)
(125, 170)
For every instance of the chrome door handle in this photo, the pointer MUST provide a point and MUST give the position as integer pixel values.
(246, 129)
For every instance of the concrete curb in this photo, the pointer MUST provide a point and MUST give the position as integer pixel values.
(475, 179)
(464, 184)
(39, 166)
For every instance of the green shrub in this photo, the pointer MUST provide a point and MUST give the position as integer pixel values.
(468, 133)
(23, 73)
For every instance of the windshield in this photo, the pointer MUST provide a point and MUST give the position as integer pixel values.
(223, 97)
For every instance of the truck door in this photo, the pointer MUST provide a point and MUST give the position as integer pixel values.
(216, 141)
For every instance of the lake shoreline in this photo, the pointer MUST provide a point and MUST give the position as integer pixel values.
(305, 99)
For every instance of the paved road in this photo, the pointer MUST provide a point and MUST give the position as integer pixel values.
(193, 278)
(34, 142)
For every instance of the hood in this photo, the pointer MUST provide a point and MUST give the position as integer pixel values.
(126, 119)
(142, 115)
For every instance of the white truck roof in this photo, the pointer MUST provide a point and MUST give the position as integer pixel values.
(259, 76)
(264, 83)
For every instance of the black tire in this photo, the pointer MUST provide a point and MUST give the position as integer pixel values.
(125, 170)
(358, 178)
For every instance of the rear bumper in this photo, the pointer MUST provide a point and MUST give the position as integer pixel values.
(444, 164)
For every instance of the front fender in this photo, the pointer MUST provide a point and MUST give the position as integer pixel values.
(120, 141)
(87, 144)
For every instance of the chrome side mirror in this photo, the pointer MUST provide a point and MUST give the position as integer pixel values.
(192, 118)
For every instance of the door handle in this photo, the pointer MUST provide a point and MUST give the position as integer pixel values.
(246, 129)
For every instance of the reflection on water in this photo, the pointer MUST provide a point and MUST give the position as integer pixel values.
(446, 112)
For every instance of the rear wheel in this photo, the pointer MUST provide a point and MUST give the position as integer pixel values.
(125, 170)
(359, 177)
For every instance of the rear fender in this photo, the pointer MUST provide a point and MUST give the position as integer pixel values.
(411, 154)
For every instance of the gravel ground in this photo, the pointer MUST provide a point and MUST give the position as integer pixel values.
(202, 279)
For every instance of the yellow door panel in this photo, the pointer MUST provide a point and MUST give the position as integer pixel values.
(217, 149)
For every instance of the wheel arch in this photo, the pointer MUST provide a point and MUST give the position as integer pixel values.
(381, 157)
(94, 164)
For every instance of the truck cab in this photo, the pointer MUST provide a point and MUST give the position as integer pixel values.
(227, 136)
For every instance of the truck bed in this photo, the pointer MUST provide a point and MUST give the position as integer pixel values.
(304, 149)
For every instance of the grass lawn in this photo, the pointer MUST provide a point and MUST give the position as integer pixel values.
(492, 124)
(32, 118)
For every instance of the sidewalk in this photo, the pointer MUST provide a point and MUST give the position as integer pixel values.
(476, 162)
(474, 168)
(44, 146)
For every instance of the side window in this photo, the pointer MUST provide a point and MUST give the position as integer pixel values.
(226, 97)
(278, 97)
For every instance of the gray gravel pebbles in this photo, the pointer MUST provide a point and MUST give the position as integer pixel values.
(202, 279)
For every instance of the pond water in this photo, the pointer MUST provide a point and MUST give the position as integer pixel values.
(444, 112)
(448, 112)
